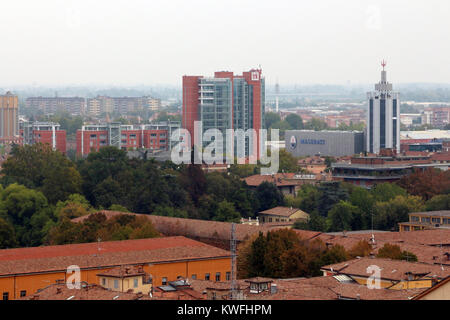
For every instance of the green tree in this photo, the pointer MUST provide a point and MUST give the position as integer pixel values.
(226, 212)
(7, 235)
(330, 193)
(387, 191)
(295, 121)
(38, 166)
(271, 118)
(388, 214)
(288, 163)
(268, 196)
(342, 217)
(27, 210)
(439, 202)
(392, 251)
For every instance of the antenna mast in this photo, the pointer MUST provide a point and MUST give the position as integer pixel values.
(233, 262)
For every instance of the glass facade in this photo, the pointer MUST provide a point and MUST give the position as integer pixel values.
(382, 123)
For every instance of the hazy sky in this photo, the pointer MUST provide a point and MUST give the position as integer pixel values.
(156, 42)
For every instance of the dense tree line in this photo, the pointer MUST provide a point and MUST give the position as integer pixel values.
(339, 206)
(284, 254)
(41, 190)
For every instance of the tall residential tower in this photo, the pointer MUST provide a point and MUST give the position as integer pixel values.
(226, 101)
(383, 117)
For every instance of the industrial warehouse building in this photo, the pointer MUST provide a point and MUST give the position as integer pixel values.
(326, 143)
(24, 271)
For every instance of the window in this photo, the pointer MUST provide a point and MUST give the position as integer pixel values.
(23, 293)
(116, 284)
(104, 282)
(436, 220)
(425, 220)
(206, 276)
(136, 282)
(217, 276)
(164, 281)
(228, 276)
(414, 219)
(194, 276)
(446, 221)
(5, 295)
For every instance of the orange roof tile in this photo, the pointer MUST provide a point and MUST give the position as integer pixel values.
(105, 254)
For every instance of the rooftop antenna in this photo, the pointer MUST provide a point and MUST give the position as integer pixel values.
(233, 262)
(277, 92)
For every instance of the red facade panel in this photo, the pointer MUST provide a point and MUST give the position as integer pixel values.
(190, 103)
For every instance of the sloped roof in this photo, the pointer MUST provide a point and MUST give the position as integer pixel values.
(105, 254)
(282, 211)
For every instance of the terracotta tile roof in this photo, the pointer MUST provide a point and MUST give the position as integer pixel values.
(87, 292)
(441, 156)
(194, 228)
(279, 179)
(281, 211)
(111, 254)
(395, 270)
(425, 253)
(259, 280)
(441, 213)
(124, 272)
(424, 237)
(317, 288)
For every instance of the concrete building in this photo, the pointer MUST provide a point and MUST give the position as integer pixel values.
(153, 136)
(426, 220)
(51, 105)
(387, 167)
(226, 101)
(383, 117)
(44, 132)
(9, 118)
(324, 143)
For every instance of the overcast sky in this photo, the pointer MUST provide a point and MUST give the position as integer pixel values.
(153, 42)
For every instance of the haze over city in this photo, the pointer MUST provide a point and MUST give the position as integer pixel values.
(156, 42)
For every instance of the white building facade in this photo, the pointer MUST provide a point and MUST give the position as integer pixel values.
(383, 117)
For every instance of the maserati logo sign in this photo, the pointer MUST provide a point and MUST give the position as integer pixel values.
(293, 142)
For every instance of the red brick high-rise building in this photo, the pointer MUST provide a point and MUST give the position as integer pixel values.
(226, 101)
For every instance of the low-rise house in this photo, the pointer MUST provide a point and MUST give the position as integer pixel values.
(440, 291)
(426, 220)
(283, 214)
(393, 274)
(126, 279)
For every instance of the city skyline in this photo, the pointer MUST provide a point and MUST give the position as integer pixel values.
(132, 43)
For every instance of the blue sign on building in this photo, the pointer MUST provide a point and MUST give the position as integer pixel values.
(312, 141)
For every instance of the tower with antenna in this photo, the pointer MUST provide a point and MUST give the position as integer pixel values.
(277, 92)
(383, 116)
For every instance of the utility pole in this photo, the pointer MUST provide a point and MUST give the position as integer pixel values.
(233, 262)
